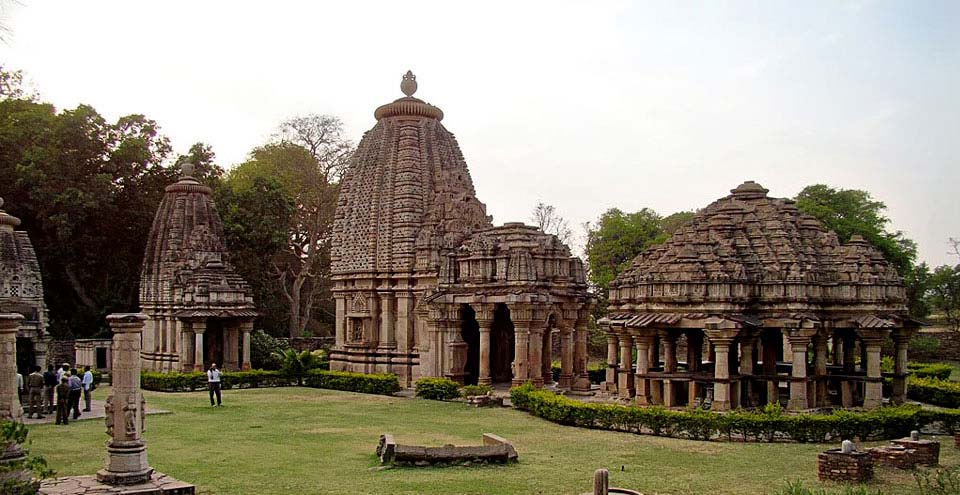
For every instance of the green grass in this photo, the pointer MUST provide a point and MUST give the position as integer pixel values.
(309, 441)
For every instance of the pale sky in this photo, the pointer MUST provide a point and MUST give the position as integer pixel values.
(584, 105)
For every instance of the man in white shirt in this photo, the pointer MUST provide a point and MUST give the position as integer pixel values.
(87, 387)
(213, 383)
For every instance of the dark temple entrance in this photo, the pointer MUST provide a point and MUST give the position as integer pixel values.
(470, 332)
(501, 345)
(213, 343)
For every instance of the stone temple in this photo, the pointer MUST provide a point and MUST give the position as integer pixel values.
(21, 291)
(200, 311)
(758, 295)
(426, 286)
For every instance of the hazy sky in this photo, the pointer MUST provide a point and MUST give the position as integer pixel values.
(586, 106)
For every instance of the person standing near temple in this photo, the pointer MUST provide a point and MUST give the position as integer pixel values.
(65, 368)
(49, 384)
(213, 383)
(35, 389)
(87, 383)
(21, 388)
(63, 401)
(76, 386)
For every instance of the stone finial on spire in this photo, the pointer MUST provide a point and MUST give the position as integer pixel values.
(187, 169)
(409, 83)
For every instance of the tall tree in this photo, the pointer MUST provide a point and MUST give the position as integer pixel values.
(944, 291)
(549, 221)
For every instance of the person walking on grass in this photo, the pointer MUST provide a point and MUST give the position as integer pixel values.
(49, 385)
(87, 383)
(35, 389)
(213, 383)
(63, 401)
(76, 386)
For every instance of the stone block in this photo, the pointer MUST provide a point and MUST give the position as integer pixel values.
(835, 465)
(927, 451)
(894, 456)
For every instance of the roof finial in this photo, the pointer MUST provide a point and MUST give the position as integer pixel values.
(409, 84)
(187, 169)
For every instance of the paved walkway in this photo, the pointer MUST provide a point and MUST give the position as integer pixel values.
(96, 412)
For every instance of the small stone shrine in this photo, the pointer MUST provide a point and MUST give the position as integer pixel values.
(21, 291)
(750, 288)
(126, 470)
(200, 310)
(845, 464)
(425, 285)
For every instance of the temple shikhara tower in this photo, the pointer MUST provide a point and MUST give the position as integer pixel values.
(425, 285)
(761, 297)
(200, 311)
(21, 291)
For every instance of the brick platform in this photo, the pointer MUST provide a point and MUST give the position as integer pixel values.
(159, 484)
(927, 451)
(834, 465)
(895, 456)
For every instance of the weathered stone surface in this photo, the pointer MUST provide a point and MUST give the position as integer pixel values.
(158, 484)
(10, 408)
(21, 285)
(187, 280)
(495, 449)
(834, 465)
(418, 266)
(895, 456)
(927, 452)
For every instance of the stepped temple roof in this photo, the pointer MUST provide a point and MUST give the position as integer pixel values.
(21, 285)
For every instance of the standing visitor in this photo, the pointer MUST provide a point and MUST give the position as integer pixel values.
(49, 384)
(20, 388)
(35, 389)
(87, 383)
(63, 369)
(63, 401)
(76, 385)
(213, 383)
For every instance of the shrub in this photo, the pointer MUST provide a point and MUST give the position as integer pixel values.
(939, 371)
(382, 384)
(924, 346)
(942, 482)
(941, 393)
(469, 390)
(799, 488)
(262, 349)
(297, 364)
(197, 380)
(437, 388)
(766, 425)
(13, 436)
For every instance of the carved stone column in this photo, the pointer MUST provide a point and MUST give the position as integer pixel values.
(625, 384)
(536, 356)
(388, 336)
(581, 377)
(669, 340)
(521, 352)
(820, 369)
(799, 339)
(721, 373)
(198, 328)
(642, 384)
(566, 357)
(746, 367)
(125, 410)
(610, 384)
(901, 339)
(10, 407)
(873, 388)
(246, 327)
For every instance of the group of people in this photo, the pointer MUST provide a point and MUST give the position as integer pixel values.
(64, 382)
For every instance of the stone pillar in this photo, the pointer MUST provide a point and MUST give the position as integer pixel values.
(246, 327)
(340, 320)
(820, 369)
(770, 366)
(625, 384)
(483, 377)
(694, 364)
(798, 377)
(721, 373)
(388, 336)
(669, 366)
(566, 357)
(581, 377)
(536, 356)
(642, 384)
(610, 384)
(198, 328)
(901, 340)
(521, 352)
(10, 407)
(746, 369)
(849, 368)
(546, 356)
(873, 388)
(125, 410)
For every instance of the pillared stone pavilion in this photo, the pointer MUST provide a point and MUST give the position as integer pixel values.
(425, 285)
(759, 295)
(199, 310)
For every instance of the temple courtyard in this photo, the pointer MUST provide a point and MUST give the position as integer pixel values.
(313, 441)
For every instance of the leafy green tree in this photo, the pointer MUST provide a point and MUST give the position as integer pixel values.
(944, 293)
(618, 237)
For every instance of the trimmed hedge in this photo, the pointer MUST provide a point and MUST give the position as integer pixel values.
(437, 388)
(939, 371)
(768, 425)
(336, 380)
(382, 384)
(468, 390)
(941, 393)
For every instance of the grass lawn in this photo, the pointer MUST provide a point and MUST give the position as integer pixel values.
(309, 441)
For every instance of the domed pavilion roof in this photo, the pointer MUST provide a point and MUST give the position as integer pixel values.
(406, 186)
(186, 261)
(748, 248)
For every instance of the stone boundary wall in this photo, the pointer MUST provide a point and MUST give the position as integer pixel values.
(61, 351)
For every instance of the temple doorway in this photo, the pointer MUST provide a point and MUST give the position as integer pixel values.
(470, 332)
(26, 359)
(213, 343)
(501, 345)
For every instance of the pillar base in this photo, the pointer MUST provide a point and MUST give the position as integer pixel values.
(565, 381)
(581, 384)
(245, 367)
(484, 381)
(126, 465)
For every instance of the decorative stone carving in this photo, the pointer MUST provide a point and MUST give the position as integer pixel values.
(10, 408)
(21, 285)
